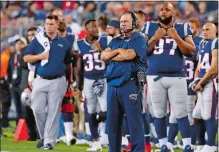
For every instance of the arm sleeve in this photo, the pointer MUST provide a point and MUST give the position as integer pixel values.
(214, 44)
(145, 29)
(32, 48)
(187, 30)
(110, 44)
(139, 45)
(68, 58)
(109, 39)
(68, 55)
(75, 44)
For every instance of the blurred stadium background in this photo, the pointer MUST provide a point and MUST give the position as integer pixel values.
(18, 16)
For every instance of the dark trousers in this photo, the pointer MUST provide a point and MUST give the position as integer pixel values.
(127, 100)
(31, 124)
(5, 99)
(16, 95)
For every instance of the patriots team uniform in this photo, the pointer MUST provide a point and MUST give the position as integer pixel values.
(166, 78)
(124, 94)
(71, 39)
(94, 68)
(191, 64)
(166, 65)
(207, 100)
(66, 117)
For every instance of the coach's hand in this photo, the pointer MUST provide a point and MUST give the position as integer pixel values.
(161, 32)
(171, 32)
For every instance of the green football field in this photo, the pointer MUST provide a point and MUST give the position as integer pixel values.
(8, 145)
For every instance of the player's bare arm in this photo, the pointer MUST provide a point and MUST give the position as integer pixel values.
(161, 32)
(211, 73)
(125, 55)
(69, 74)
(186, 46)
(108, 54)
(78, 74)
(34, 58)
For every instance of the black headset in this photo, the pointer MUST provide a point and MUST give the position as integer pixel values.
(135, 23)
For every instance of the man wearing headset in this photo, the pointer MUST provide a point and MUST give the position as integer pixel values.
(126, 55)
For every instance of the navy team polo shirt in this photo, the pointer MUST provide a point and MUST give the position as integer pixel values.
(59, 56)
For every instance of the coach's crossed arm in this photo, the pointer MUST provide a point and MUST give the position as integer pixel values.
(119, 54)
(108, 54)
(125, 55)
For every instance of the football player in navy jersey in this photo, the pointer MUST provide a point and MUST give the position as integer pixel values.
(203, 84)
(68, 116)
(168, 43)
(191, 64)
(94, 88)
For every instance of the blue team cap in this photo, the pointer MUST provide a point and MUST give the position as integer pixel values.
(114, 23)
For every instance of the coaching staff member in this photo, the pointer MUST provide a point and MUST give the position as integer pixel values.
(50, 83)
(126, 56)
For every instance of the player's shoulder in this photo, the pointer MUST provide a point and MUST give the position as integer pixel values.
(197, 40)
(152, 23)
(102, 37)
(214, 44)
(180, 26)
(116, 38)
(138, 35)
(71, 35)
(64, 41)
(80, 41)
(214, 40)
(150, 27)
(183, 29)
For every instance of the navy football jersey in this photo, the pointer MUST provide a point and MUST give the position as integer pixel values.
(94, 68)
(205, 55)
(191, 64)
(166, 59)
(70, 38)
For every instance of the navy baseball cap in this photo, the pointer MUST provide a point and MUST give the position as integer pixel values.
(114, 23)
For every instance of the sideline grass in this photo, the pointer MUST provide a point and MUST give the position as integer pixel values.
(8, 145)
